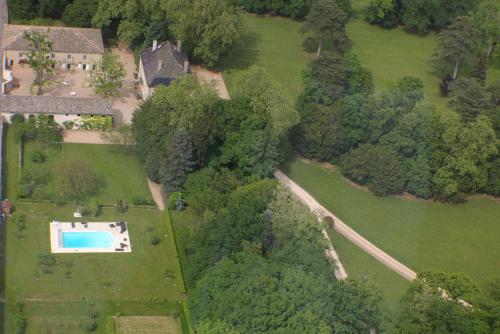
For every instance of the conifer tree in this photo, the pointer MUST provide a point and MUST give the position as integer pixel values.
(178, 163)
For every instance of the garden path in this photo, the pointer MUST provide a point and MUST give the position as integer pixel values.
(345, 230)
(157, 193)
(83, 137)
(212, 78)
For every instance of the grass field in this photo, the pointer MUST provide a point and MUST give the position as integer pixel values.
(275, 44)
(365, 268)
(59, 298)
(121, 174)
(110, 283)
(392, 53)
(421, 234)
(147, 325)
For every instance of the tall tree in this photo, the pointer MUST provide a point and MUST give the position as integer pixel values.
(326, 21)
(107, 77)
(458, 45)
(39, 57)
(209, 29)
(487, 20)
(79, 13)
(470, 99)
(420, 16)
(386, 13)
(178, 163)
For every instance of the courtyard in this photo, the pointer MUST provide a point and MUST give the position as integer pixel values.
(73, 83)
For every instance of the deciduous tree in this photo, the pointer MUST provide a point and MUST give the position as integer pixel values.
(458, 45)
(326, 21)
(107, 77)
(39, 57)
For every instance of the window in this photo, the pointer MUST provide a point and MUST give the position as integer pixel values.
(69, 56)
(53, 56)
(78, 115)
(67, 115)
(21, 55)
(84, 57)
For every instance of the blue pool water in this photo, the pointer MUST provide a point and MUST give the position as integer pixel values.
(87, 240)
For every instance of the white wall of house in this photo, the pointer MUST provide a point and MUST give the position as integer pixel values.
(146, 91)
(62, 59)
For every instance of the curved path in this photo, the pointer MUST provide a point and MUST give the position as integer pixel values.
(345, 230)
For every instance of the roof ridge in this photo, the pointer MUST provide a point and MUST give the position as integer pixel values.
(90, 41)
(49, 27)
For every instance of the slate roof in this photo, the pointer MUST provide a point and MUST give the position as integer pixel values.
(163, 65)
(51, 105)
(72, 40)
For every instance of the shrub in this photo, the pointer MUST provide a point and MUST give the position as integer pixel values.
(47, 259)
(17, 119)
(155, 240)
(172, 199)
(96, 123)
(38, 156)
(94, 207)
(310, 44)
(139, 200)
(91, 326)
(19, 324)
(68, 125)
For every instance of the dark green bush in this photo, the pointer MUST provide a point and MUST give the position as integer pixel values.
(38, 156)
(139, 200)
(155, 240)
(91, 326)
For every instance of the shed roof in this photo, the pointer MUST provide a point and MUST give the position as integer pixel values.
(73, 40)
(51, 105)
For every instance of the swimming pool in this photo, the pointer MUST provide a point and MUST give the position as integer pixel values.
(87, 240)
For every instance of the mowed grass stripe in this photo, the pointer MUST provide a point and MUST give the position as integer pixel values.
(421, 234)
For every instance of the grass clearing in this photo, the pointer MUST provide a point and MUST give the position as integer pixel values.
(421, 234)
(393, 53)
(121, 174)
(147, 325)
(365, 268)
(60, 298)
(147, 277)
(275, 44)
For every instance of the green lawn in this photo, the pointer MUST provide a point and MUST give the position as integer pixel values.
(275, 44)
(121, 174)
(421, 234)
(392, 53)
(146, 282)
(361, 266)
(131, 283)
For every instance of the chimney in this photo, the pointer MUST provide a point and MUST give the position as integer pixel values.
(179, 45)
(155, 44)
(186, 66)
(160, 65)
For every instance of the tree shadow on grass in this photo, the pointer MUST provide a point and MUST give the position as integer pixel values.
(244, 55)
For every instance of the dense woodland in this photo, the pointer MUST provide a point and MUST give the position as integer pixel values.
(393, 141)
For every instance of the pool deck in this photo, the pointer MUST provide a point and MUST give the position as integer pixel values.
(121, 241)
